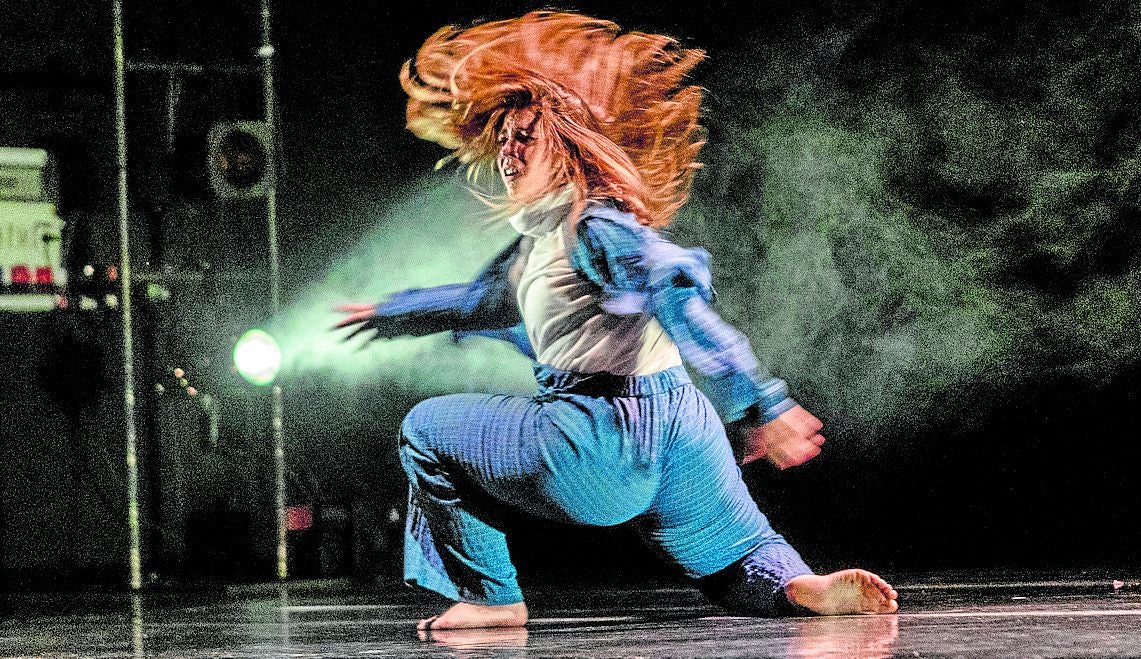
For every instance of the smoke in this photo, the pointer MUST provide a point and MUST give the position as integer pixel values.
(902, 225)
(426, 234)
(867, 308)
(902, 229)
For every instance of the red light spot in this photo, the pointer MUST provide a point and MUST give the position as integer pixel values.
(298, 518)
(112, 273)
(21, 274)
(44, 276)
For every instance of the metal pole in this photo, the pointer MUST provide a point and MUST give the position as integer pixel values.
(266, 55)
(134, 553)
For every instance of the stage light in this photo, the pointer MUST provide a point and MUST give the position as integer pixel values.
(257, 357)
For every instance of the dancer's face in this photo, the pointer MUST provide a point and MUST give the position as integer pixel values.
(524, 160)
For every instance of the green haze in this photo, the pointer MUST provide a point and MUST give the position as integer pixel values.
(429, 234)
(904, 232)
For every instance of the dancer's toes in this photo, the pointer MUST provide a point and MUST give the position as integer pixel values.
(843, 592)
(473, 616)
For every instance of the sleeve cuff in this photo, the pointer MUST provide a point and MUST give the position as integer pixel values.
(738, 396)
(516, 336)
(773, 399)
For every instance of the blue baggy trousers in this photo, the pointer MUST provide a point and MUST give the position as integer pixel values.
(594, 449)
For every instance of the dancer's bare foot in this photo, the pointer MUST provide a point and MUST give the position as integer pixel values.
(843, 592)
(493, 638)
(472, 616)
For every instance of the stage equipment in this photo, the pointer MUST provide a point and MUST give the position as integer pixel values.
(257, 357)
(31, 271)
(26, 175)
(134, 539)
(207, 403)
(265, 53)
(240, 159)
(241, 167)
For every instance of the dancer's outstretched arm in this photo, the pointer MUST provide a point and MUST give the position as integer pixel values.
(487, 303)
(641, 272)
(773, 425)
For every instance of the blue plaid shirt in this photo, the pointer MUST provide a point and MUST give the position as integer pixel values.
(636, 271)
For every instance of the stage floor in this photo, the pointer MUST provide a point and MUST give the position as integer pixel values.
(939, 616)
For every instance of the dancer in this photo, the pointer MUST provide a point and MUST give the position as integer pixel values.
(595, 137)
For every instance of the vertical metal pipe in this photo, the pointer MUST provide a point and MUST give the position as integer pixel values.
(279, 480)
(137, 636)
(266, 55)
(134, 552)
(283, 608)
(173, 91)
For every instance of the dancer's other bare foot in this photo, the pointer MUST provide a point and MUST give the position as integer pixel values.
(474, 616)
(843, 592)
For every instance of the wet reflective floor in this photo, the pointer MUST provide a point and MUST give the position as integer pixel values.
(940, 616)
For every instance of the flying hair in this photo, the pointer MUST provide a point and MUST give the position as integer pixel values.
(621, 122)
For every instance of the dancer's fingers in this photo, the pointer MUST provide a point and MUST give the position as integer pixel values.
(814, 424)
(358, 317)
(793, 454)
(358, 330)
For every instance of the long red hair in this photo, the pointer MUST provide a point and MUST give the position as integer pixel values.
(620, 121)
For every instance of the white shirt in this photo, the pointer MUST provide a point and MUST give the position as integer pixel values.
(562, 314)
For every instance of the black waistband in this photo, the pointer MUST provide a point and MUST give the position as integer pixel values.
(608, 385)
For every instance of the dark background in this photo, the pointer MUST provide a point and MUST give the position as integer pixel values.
(924, 216)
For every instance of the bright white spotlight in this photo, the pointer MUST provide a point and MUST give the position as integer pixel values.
(257, 357)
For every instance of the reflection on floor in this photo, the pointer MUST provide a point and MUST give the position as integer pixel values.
(938, 617)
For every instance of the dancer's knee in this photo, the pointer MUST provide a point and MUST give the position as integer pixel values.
(415, 420)
(421, 425)
(416, 446)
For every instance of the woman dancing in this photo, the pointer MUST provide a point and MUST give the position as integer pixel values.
(595, 137)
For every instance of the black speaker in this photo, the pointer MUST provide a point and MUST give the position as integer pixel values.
(240, 159)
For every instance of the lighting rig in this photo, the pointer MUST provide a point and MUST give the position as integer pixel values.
(240, 165)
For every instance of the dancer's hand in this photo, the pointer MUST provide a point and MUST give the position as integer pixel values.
(791, 439)
(362, 317)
